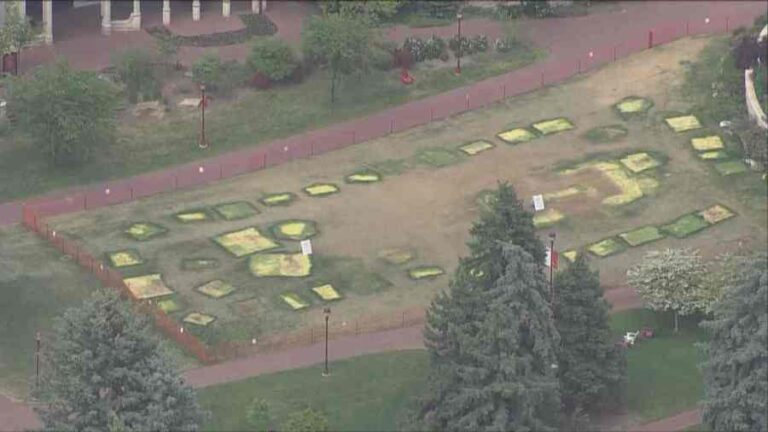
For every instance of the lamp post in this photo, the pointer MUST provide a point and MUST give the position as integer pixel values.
(203, 102)
(458, 49)
(37, 359)
(551, 267)
(327, 313)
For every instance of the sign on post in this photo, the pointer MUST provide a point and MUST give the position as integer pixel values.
(538, 202)
(306, 247)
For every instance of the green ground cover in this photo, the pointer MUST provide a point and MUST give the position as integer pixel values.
(370, 393)
(685, 226)
(283, 111)
(606, 134)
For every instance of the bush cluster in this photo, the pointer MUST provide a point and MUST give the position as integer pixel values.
(272, 58)
(506, 44)
(469, 46)
(217, 76)
(255, 25)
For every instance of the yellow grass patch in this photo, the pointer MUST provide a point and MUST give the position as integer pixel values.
(638, 162)
(148, 286)
(552, 126)
(198, 318)
(563, 193)
(712, 142)
(515, 136)
(476, 147)
(713, 155)
(363, 177)
(633, 105)
(397, 256)
(294, 229)
(571, 255)
(326, 292)
(630, 188)
(245, 242)
(281, 265)
(192, 217)
(216, 289)
(425, 272)
(716, 213)
(321, 189)
(547, 218)
(683, 123)
(277, 199)
(125, 258)
(294, 301)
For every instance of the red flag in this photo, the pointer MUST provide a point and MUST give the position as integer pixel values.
(554, 256)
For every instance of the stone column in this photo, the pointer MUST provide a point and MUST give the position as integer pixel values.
(225, 8)
(106, 17)
(195, 10)
(166, 12)
(263, 6)
(254, 6)
(48, 21)
(136, 15)
(22, 8)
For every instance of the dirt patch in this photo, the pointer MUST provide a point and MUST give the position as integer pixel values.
(430, 210)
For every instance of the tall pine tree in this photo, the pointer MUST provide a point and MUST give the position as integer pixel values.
(592, 369)
(104, 371)
(736, 365)
(492, 351)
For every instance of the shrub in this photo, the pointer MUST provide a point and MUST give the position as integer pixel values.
(537, 8)
(417, 48)
(478, 43)
(453, 45)
(434, 47)
(136, 69)
(508, 11)
(382, 59)
(272, 57)
(207, 70)
(506, 44)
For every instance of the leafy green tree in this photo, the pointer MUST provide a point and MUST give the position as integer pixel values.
(168, 47)
(136, 69)
(69, 114)
(343, 43)
(492, 349)
(207, 70)
(16, 32)
(272, 57)
(103, 370)
(736, 365)
(308, 420)
(671, 280)
(592, 368)
(259, 416)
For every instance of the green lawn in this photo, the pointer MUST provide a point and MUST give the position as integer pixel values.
(371, 392)
(362, 394)
(255, 117)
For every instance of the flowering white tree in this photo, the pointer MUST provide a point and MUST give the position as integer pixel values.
(673, 279)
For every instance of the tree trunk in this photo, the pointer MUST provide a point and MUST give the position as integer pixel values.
(333, 86)
(676, 325)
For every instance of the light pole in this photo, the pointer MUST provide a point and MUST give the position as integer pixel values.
(458, 49)
(327, 313)
(37, 360)
(203, 102)
(552, 266)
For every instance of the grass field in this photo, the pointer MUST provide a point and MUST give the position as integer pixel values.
(283, 111)
(370, 393)
(426, 203)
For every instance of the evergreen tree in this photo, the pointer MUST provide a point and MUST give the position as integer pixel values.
(736, 365)
(103, 371)
(503, 219)
(492, 351)
(591, 367)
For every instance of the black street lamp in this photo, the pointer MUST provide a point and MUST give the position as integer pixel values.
(327, 313)
(552, 266)
(37, 359)
(458, 49)
(203, 102)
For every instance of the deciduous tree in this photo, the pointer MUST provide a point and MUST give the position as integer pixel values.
(69, 114)
(736, 365)
(671, 280)
(103, 370)
(16, 32)
(592, 368)
(272, 57)
(342, 42)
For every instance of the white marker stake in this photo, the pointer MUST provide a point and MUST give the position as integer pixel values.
(306, 247)
(538, 202)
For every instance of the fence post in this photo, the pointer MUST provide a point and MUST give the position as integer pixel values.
(504, 91)
(264, 160)
(431, 114)
(614, 53)
(391, 125)
(579, 65)
(650, 39)
(311, 335)
(467, 97)
(403, 322)
(131, 192)
(354, 137)
(175, 181)
(726, 23)
(356, 328)
(542, 79)
(221, 171)
(687, 28)
(85, 201)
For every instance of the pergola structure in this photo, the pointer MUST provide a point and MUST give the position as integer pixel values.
(133, 22)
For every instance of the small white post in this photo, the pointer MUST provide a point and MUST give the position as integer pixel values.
(106, 17)
(195, 10)
(225, 8)
(166, 12)
(48, 21)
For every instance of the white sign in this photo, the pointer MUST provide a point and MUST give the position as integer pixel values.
(538, 202)
(548, 258)
(306, 247)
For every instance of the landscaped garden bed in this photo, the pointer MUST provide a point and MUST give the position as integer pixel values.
(280, 265)
(685, 226)
(321, 189)
(143, 231)
(147, 287)
(245, 242)
(236, 210)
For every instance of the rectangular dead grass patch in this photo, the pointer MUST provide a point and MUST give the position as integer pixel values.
(731, 167)
(280, 265)
(321, 189)
(200, 319)
(476, 147)
(125, 258)
(278, 199)
(685, 225)
(547, 127)
(143, 231)
(294, 301)
(515, 136)
(236, 210)
(606, 247)
(641, 236)
(683, 123)
(147, 286)
(216, 289)
(716, 213)
(712, 142)
(245, 242)
(196, 215)
(425, 272)
(326, 292)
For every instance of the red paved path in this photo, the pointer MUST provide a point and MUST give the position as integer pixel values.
(568, 39)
